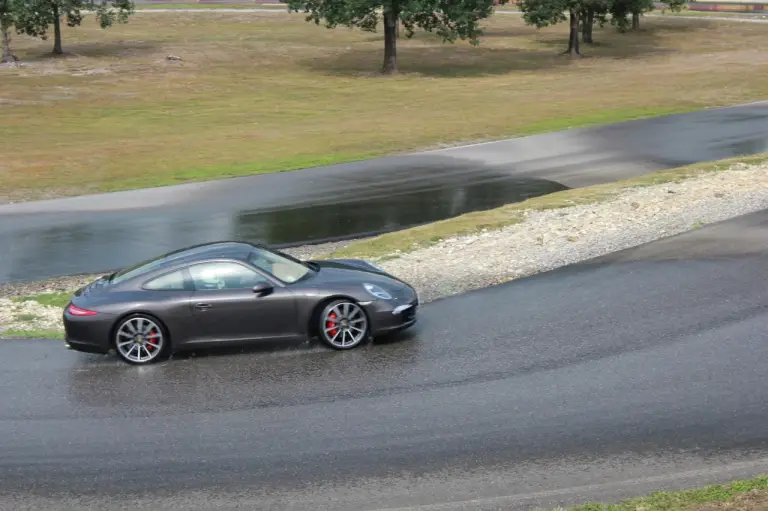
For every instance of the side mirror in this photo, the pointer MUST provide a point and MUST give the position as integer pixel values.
(262, 288)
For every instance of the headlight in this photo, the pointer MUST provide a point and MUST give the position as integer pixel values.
(377, 292)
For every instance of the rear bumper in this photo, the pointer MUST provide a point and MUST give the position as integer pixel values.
(88, 333)
(85, 347)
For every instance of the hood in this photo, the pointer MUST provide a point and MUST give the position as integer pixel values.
(355, 270)
(354, 264)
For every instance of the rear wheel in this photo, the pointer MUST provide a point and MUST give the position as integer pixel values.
(139, 339)
(343, 325)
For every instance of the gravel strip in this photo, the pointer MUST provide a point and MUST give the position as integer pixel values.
(28, 316)
(55, 285)
(543, 241)
(546, 240)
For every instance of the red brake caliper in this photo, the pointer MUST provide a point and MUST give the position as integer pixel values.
(150, 344)
(330, 324)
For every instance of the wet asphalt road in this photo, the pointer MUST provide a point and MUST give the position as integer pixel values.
(103, 232)
(644, 369)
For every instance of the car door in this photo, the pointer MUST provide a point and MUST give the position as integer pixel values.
(227, 309)
(170, 298)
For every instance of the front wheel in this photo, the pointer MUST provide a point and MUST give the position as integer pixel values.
(139, 339)
(343, 325)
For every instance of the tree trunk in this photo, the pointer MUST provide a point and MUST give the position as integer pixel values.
(586, 26)
(390, 43)
(57, 50)
(573, 38)
(7, 55)
(635, 21)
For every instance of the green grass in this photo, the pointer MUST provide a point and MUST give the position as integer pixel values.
(49, 299)
(267, 92)
(689, 500)
(601, 118)
(32, 334)
(26, 317)
(404, 241)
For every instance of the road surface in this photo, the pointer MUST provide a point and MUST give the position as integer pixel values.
(641, 370)
(103, 232)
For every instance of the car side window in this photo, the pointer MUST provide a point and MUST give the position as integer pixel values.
(173, 281)
(223, 275)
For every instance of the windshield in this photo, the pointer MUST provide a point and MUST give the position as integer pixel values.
(283, 267)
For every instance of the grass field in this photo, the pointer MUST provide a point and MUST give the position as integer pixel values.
(264, 92)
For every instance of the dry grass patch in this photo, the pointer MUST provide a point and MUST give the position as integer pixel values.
(743, 495)
(265, 92)
(755, 500)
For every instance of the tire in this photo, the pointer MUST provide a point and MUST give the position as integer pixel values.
(343, 325)
(144, 332)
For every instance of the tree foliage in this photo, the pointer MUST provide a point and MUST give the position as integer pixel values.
(34, 17)
(448, 19)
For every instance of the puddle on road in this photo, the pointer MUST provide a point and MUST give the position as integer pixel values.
(109, 242)
(365, 217)
(748, 147)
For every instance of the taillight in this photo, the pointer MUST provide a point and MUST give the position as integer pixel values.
(77, 311)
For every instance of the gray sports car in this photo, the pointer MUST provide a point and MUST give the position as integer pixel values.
(233, 293)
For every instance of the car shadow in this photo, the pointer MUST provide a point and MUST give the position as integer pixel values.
(259, 376)
(272, 347)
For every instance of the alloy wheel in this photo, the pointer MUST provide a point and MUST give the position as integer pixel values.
(139, 340)
(344, 325)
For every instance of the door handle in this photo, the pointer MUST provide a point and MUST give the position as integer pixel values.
(203, 306)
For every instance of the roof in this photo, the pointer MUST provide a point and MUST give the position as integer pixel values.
(211, 250)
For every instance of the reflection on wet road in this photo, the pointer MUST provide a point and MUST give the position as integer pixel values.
(369, 216)
(103, 241)
(645, 363)
(99, 233)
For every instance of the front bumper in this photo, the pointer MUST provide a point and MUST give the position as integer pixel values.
(391, 317)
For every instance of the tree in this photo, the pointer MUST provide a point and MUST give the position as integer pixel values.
(544, 13)
(449, 19)
(7, 21)
(34, 17)
(622, 9)
(585, 13)
(594, 12)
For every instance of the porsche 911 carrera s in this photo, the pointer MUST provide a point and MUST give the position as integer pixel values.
(234, 293)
